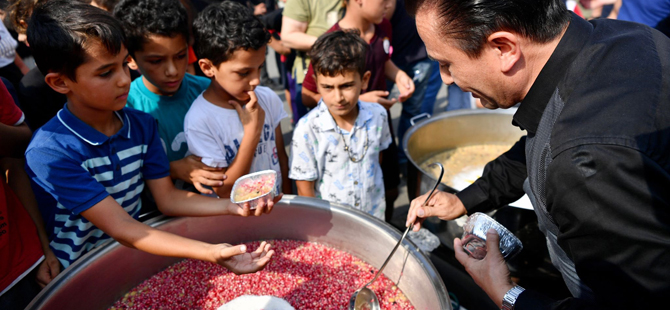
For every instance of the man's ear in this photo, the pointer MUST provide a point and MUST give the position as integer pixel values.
(57, 82)
(207, 67)
(507, 47)
(365, 79)
(132, 64)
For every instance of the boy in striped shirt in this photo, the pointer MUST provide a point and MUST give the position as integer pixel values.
(89, 164)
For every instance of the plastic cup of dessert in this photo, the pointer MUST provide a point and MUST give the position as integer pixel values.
(253, 187)
(474, 237)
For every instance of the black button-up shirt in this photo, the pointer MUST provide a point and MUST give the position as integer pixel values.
(608, 182)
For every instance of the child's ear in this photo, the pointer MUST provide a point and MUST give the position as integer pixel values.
(207, 67)
(132, 64)
(365, 80)
(57, 82)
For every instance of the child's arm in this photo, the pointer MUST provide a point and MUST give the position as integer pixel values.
(14, 139)
(18, 61)
(378, 96)
(305, 188)
(283, 161)
(404, 82)
(175, 202)
(190, 169)
(252, 117)
(18, 181)
(110, 217)
(309, 98)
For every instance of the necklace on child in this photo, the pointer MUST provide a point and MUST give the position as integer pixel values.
(346, 147)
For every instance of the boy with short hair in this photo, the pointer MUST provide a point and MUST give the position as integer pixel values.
(234, 124)
(157, 36)
(89, 164)
(368, 17)
(336, 146)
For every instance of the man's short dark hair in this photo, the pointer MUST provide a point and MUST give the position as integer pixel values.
(60, 31)
(472, 21)
(221, 29)
(143, 18)
(339, 52)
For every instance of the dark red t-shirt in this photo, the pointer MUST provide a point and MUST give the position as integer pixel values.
(375, 59)
(20, 247)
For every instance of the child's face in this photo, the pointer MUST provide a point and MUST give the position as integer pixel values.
(376, 10)
(162, 62)
(340, 93)
(239, 74)
(103, 80)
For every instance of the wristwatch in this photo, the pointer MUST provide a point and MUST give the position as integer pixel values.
(510, 297)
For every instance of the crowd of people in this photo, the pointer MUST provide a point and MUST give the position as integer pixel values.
(143, 105)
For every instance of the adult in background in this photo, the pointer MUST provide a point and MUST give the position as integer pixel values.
(595, 101)
(409, 54)
(302, 23)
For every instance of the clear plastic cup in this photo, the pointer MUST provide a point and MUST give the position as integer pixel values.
(474, 237)
(254, 186)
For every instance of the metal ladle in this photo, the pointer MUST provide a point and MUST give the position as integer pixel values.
(364, 298)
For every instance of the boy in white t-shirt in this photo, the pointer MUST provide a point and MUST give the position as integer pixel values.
(234, 123)
(335, 150)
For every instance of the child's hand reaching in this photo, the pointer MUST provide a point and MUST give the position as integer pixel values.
(237, 260)
(251, 114)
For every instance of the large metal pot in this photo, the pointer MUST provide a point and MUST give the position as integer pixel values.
(105, 274)
(450, 130)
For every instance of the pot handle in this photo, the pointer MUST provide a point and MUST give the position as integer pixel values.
(420, 116)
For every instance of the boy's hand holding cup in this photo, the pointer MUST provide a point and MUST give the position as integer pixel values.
(251, 114)
(265, 205)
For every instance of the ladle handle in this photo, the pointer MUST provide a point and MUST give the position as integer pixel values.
(439, 179)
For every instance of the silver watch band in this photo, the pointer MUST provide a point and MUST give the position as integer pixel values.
(510, 297)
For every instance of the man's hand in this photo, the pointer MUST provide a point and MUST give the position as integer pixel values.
(490, 273)
(237, 260)
(443, 205)
(405, 85)
(192, 170)
(378, 96)
(265, 205)
(48, 269)
(251, 115)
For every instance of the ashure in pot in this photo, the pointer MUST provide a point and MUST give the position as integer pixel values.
(104, 275)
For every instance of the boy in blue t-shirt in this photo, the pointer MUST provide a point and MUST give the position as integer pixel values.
(157, 36)
(89, 164)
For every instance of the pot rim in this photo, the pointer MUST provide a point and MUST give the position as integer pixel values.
(91, 257)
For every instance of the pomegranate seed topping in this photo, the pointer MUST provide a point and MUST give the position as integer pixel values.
(308, 275)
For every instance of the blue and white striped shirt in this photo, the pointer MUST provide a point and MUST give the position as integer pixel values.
(73, 167)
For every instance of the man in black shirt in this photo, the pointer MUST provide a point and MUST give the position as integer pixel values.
(595, 101)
